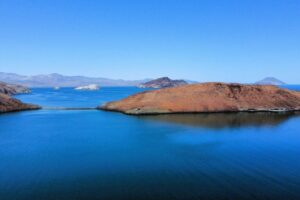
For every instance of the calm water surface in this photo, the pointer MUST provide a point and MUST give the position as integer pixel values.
(52, 154)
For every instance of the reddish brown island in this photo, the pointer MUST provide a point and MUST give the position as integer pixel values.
(209, 97)
(10, 104)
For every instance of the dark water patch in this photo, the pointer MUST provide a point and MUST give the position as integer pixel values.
(224, 120)
(156, 186)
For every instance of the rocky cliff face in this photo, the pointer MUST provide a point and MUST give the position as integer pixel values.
(163, 82)
(11, 89)
(10, 104)
(209, 97)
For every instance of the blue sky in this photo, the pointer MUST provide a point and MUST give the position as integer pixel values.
(204, 40)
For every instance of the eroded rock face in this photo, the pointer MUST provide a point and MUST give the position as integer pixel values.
(163, 82)
(10, 104)
(12, 89)
(209, 97)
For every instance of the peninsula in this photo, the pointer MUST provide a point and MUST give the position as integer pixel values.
(13, 89)
(209, 97)
(10, 104)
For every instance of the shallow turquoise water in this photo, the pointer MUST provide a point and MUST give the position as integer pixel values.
(50, 154)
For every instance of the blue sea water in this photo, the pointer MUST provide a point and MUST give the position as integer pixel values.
(90, 154)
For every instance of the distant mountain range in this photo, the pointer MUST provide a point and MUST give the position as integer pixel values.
(270, 81)
(58, 80)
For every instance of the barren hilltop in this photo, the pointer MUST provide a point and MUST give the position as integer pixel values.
(208, 97)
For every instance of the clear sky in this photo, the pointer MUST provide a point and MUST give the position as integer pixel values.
(203, 40)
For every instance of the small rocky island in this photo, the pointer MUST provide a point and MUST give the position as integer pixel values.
(88, 87)
(163, 82)
(10, 104)
(207, 98)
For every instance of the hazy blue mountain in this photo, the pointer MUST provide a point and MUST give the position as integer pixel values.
(58, 80)
(270, 81)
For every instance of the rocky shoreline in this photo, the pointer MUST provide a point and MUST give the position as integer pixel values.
(10, 104)
(208, 98)
(12, 89)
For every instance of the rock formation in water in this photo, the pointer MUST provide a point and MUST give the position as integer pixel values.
(10, 104)
(163, 82)
(270, 81)
(88, 87)
(12, 89)
(209, 97)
